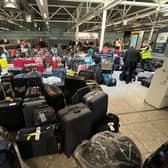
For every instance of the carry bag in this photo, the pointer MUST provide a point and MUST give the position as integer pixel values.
(43, 114)
(76, 124)
(38, 141)
(29, 105)
(11, 116)
(97, 101)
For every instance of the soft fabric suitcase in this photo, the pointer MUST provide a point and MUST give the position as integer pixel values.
(76, 123)
(88, 74)
(11, 116)
(54, 96)
(158, 159)
(97, 101)
(43, 114)
(8, 157)
(29, 105)
(38, 141)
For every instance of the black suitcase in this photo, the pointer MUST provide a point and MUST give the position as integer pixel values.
(158, 159)
(43, 114)
(11, 116)
(93, 85)
(15, 70)
(38, 141)
(97, 101)
(87, 74)
(8, 157)
(54, 96)
(146, 82)
(110, 123)
(29, 105)
(47, 74)
(76, 123)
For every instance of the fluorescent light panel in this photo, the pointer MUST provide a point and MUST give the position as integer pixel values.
(41, 2)
(45, 15)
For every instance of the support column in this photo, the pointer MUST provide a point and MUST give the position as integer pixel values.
(77, 27)
(151, 32)
(103, 29)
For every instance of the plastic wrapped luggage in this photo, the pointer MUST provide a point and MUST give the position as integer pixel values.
(8, 157)
(29, 105)
(158, 159)
(108, 150)
(97, 101)
(54, 96)
(76, 123)
(38, 141)
(88, 74)
(11, 116)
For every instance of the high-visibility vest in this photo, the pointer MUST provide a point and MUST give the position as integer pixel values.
(146, 54)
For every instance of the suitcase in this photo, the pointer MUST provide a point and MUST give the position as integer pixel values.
(97, 101)
(146, 82)
(15, 70)
(76, 125)
(8, 157)
(97, 72)
(110, 123)
(158, 159)
(43, 114)
(60, 73)
(144, 75)
(31, 67)
(81, 67)
(38, 141)
(47, 74)
(11, 116)
(108, 80)
(29, 105)
(88, 74)
(93, 85)
(54, 96)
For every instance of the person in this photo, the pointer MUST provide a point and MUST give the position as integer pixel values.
(131, 58)
(105, 49)
(146, 55)
(54, 50)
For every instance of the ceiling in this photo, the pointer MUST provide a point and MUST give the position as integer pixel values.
(122, 15)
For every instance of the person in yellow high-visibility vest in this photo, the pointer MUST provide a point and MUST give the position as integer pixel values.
(146, 56)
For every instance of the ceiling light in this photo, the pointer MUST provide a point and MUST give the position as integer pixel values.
(165, 9)
(4, 28)
(41, 2)
(28, 18)
(10, 21)
(47, 22)
(45, 15)
(10, 4)
(35, 25)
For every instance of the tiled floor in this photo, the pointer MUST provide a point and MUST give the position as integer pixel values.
(139, 121)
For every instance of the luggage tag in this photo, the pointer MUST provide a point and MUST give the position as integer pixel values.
(43, 117)
(38, 132)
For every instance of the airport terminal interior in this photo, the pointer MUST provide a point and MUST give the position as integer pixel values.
(83, 84)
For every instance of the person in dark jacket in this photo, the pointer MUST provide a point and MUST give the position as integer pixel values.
(131, 58)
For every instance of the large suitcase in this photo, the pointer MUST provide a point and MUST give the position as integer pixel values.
(76, 123)
(11, 116)
(29, 105)
(43, 114)
(158, 159)
(88, 74)
(8, 157)
(38, 141)
(97, 101)
(54, 96)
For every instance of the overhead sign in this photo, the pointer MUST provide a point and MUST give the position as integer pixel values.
(89, 36)
(162, 37)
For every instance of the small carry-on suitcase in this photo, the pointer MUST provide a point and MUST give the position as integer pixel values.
(29, 105)
(146, 82)
(54, 96)
(97, 101)
(76, 123)
(43, 114)
(88, 74)
(158, 159)
(38, 141)
(8, 157)
(11, 116)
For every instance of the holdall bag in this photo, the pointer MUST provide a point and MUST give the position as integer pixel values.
(8, 157)
(11, 116)
(29, 105)
(43, 114)
(88, 74)
(97, 101)
(38, 141)
(158, 159)
(54, 96)
(76, 125)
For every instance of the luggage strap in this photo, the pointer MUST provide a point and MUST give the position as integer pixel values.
(36, 134)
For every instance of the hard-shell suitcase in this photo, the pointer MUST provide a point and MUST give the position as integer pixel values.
(88, 74)
(29, 105)
(11, 116)
(38, 141)
(144, 75)
(146, 82)
(54, 96)
(76, 123)
(158, 159)
(43, 114)
(97, 101)
(8, 157)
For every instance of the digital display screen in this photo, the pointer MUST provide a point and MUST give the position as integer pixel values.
(134, 39)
